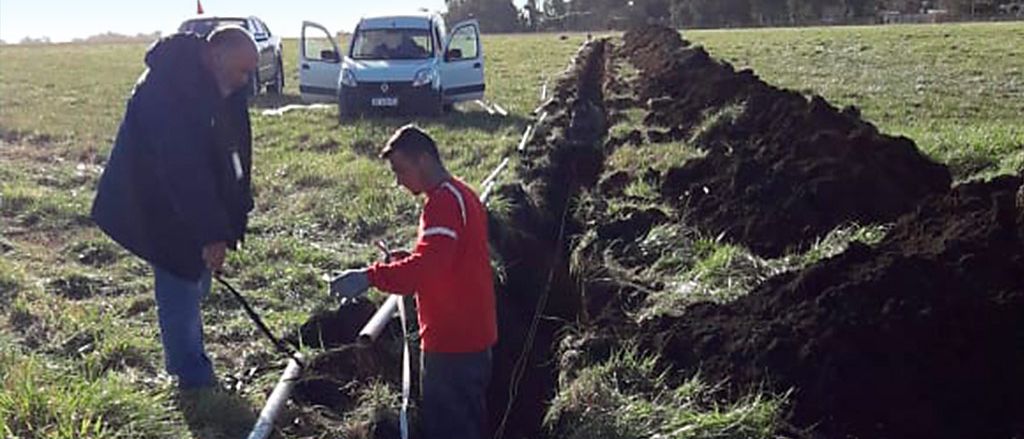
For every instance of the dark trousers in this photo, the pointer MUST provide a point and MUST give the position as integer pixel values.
(453, 388)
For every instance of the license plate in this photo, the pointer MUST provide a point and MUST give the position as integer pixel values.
(384, 102)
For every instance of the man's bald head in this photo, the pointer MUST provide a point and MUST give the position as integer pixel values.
(234, 57)
(232, 38)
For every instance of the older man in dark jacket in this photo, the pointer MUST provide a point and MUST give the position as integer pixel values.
(176, 189)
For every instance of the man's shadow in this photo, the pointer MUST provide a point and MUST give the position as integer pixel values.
(213, 413)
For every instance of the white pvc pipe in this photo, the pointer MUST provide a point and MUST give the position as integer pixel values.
(484, 105)
(542, 105)
(380, 319)
(501, 110)
(403, 420)
(494, 174)
(265, 424)
(526, 137)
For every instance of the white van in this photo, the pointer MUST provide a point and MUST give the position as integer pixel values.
(408, 64)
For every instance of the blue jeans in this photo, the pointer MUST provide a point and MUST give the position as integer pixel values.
(181, 327)
(453, 388)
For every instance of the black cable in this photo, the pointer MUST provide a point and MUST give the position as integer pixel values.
(290, 351)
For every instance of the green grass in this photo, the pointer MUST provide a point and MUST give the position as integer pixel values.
(956, 89)
(41, 400)
(626, 396)
(77, 318)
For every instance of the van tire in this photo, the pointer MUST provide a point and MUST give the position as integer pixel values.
(344, 113)
(437, 108)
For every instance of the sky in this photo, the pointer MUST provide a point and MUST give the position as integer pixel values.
(63, 20)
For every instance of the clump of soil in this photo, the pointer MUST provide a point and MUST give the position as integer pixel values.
(332, 329)
(79, 286)
(781, 170)
(917, 337)
(332, 378)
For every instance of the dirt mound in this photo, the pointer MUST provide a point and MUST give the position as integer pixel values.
(337, 379)
(781, 170)
(917, 337)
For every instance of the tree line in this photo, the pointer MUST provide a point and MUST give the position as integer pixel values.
(541, 15)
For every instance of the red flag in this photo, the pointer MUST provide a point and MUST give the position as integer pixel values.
(199, 7)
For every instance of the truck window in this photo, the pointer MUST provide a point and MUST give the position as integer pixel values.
(203, 27)
(257, 27)
(392, 43)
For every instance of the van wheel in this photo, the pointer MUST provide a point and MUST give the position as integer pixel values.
(437, 109)
(345, 113)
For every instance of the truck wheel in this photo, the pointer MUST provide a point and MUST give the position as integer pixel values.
(277, 87)
(254, 84)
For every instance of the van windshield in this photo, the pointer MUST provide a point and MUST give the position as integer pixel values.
(392, 43)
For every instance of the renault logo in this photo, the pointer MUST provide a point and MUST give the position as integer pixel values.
(384, 88)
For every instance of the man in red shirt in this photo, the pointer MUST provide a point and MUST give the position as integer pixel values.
(449, 271)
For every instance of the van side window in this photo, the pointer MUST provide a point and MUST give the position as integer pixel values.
(464, 41)
(319, 46)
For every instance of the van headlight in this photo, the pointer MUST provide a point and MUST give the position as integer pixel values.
(348, 78)
(424, 76)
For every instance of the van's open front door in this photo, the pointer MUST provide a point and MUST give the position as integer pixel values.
(319, 64)
(462, 70)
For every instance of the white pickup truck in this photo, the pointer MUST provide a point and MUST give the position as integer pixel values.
(270, 73)
(405, 64)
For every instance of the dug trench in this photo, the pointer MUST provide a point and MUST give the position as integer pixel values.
(917, 336)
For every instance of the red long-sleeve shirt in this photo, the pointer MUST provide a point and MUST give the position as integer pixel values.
(449, 271)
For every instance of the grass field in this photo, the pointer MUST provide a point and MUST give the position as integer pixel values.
(79, 349)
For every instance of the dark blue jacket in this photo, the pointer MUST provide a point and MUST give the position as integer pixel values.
(171, 184)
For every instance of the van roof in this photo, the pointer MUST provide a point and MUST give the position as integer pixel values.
(419, 20)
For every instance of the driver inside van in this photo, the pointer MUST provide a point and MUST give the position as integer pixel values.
(397, 44)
